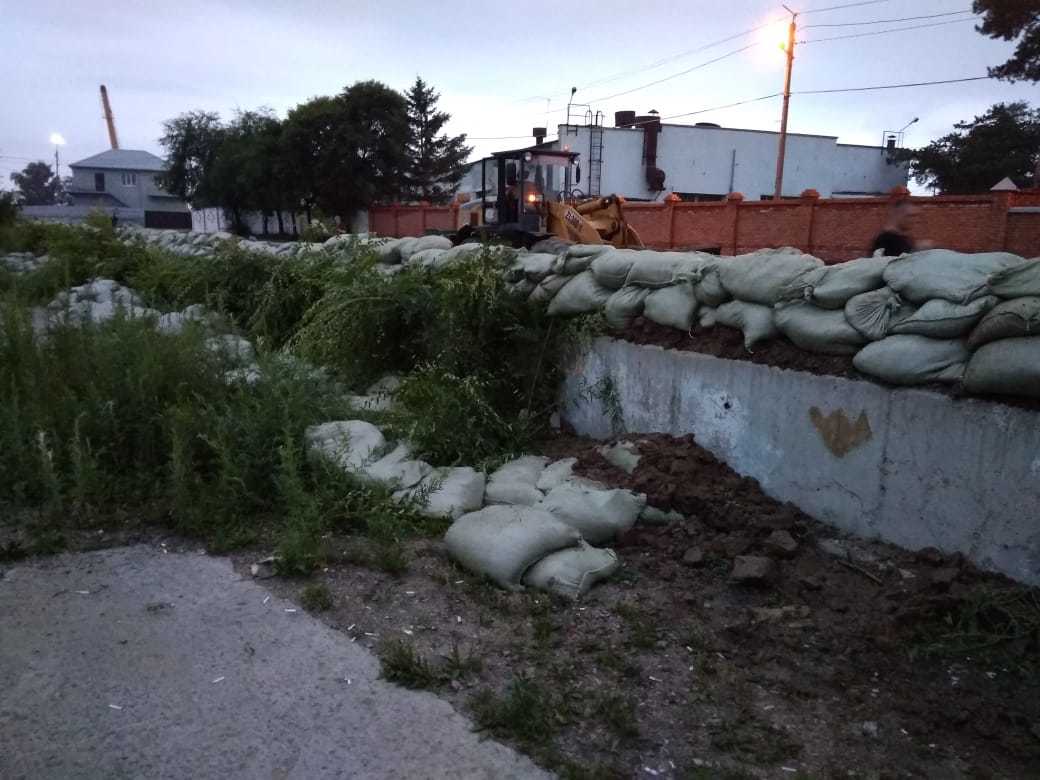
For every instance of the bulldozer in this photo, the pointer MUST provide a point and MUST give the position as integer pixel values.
(537, 199)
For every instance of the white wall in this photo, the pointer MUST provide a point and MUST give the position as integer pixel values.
(865, 169)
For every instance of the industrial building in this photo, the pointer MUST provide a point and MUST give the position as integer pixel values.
(643, 158)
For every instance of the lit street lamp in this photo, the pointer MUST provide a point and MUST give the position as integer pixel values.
(58, 140)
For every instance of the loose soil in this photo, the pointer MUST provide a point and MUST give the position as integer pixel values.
(855, 659)
(728, 343)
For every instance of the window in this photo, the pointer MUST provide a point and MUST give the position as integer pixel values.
(129, 179)
(99, 182)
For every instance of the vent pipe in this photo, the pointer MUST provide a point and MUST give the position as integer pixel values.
(109, 119)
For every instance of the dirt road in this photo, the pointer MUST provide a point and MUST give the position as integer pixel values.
(134, 663)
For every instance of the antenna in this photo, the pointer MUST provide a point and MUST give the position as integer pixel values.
(110, 120)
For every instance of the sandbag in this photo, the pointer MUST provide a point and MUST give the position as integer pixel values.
(753, 320)
(1010, 319)
(872, 313)
(941, 319)
(387, 252)
(515, 482)
(813, 329)
(426, 258)
(913, 360)
(582, 294)
(556, 474)
(673, 307)
(709, 290)
(448, 492)
(624, 306)
(942, 273)
(411, 246)
(1017, 281)
(547, 288)
(831, 287)
(761, 277)
(578, 258)
(534, 266)
(598, 514)
(1006, 367)
(397, 470)
(552, 245)
(351, 444)
(503, 542)
(611, 268)
(706, 317)
(663, 269)
(571, 572)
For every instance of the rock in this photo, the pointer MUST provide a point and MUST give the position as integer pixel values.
(781, 543)
(263, 569)
(753, 569)
(654, 516)
(693, 557)
(869, 728)
(625, 455)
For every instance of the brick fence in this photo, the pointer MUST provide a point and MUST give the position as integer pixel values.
(833, 229)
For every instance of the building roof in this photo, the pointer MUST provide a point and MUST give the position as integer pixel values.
(1004, 185)
(122, 160)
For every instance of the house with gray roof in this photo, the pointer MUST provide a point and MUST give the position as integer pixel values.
(123, 182)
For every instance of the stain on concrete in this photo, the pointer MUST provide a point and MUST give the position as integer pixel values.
(840, 435)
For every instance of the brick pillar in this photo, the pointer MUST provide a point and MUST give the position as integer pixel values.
(1001, 206)
(733, 200)
(809, 200)
(670, 202)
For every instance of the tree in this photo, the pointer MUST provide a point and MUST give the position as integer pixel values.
(1005, 141)
(38, 186)
(436, 162)
(348, 151)
(191, 142)
(1009, 19)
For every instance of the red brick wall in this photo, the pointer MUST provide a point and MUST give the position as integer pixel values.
(833, 229)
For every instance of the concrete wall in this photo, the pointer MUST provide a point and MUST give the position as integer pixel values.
(143, 194)
(911, 467)
(74, 215)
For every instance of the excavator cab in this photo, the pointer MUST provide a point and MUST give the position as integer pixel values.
(526, 180)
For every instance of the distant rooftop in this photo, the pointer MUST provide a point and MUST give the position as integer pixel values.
(124, 160)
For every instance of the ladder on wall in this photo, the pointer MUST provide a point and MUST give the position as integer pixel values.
(595, 159)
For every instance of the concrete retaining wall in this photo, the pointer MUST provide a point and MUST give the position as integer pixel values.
(912, 467)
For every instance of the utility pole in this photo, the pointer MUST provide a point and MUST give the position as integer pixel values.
(782, 151)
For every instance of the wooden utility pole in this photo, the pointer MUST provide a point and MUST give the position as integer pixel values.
(782, 151)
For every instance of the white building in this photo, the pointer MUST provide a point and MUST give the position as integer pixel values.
(706, 162)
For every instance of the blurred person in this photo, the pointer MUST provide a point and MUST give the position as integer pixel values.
(895, 239)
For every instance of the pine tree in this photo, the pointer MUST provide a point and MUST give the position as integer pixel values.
(436, 162)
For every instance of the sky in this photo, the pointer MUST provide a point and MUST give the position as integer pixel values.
(501, 68)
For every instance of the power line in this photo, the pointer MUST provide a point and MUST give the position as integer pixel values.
(885, 32)
(892, 86)
(839, 7)
(887, 21)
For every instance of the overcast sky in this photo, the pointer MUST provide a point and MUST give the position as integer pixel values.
(495, 64)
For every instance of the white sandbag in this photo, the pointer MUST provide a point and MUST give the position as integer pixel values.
(673, 307)
(761, 277)
(386, 252)
(503, 542)
(663, 269)
(466, 251)
(516, 482)
(706, 317)
(578, 258)
(831, 286)
(709, 290)
(448, 492)
(913, 360)
(753, 320)
(611, 268)
(941, 319)
(556, 474)
(874, 312)
(1010, 319)
(571, 572)
(1017, 281)
(426, 258)
(547, 288)
(942, 273)
(624, 306)
(1006, 367)
(397, 470)
(598, 514)
(624, 455)
(351, 444)
(535, 266)
(552, 245)
(411, 246)
(582, 294)
(822, 331)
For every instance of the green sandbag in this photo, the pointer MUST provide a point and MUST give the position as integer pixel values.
(1008, 320)
(624, 306)
(1017, 281)
(942, 273)
(939, 319)
(913, 360)
(1006, 367)
(753, 320)
(673, 307)
(581, 295)
(818, 330)
(761, 277)
(571, 572)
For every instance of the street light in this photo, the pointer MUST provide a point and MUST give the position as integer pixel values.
(58, 140)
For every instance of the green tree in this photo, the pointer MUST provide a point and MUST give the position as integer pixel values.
(37, 185)
(436, 162)
(348, 151)
(1010, 20)
(191, 142)
(1005, 141)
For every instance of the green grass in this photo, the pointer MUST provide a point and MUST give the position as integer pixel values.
(525, 712)
(642, 632)
(401, 664)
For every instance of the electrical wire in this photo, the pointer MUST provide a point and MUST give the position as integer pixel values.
(884, 32)
(886, 21)
(840, 7)
(891, 86)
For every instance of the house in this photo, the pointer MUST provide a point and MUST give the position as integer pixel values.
(123, 181)
(643, 158)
